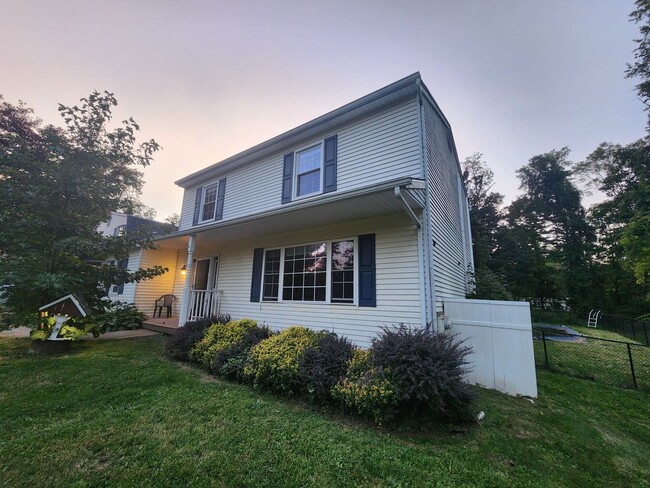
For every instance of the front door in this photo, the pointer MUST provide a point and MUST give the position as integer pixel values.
(204, 299)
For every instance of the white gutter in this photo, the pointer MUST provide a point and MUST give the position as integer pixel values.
(298, 205)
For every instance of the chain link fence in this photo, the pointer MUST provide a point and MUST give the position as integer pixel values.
(637, 330)
(622, 364)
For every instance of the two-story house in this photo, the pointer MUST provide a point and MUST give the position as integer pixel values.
(355, 220)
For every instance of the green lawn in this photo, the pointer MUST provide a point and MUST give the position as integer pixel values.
(597, 360)
(603, 334)
(117, 413)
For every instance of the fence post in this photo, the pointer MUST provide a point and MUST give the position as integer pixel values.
(545, 353)
(633, 333)
(645, 331)
(629, 354)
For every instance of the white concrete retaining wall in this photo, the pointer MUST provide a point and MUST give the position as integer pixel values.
(501, 339)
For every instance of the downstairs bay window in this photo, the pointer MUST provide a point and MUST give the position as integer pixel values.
(318, 272)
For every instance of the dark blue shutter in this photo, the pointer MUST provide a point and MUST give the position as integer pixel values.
(329, 166)
(123, 264)
(256, 281)
(367, 273)
(287, 178)
(220, 196)
(197, 206)
(108, 288)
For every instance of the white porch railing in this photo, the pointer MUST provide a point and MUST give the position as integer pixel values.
(203, 304)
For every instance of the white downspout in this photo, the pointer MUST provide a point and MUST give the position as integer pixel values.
(426, 215)
(461, 217)
(185, 300)
(423, 257)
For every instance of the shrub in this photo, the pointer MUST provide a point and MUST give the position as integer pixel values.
(218, 337)
(273, 364)
(366, 389)
(118, 316)
(324, 365)
(425, 369)
(73, 329)
(179, 345)
(230, 362)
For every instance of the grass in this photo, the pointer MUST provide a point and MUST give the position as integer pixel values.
(117, 413)
(602, 334)
(597, 360)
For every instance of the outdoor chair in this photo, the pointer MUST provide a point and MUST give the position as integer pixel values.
(165, 301)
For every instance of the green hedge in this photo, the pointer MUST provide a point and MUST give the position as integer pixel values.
(219, 337)
(274, 363)
(406, 371)
(367, 389)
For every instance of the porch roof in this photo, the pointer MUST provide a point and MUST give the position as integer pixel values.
(369, 201)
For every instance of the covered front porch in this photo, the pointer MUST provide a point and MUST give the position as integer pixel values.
(198, 290)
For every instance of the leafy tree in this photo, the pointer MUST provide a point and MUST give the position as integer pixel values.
(550, 209)
(484, 205)
(641, 66)
(622, 173)
(635, 239)
(485, 220)
(521, 260)
(56, 186)
(174, 220)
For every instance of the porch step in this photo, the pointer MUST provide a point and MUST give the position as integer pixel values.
(169, 326)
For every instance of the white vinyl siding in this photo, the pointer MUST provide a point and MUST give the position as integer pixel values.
(187, 210)
(146, 292)
(446, 213)
(383, 146)
(397, 278)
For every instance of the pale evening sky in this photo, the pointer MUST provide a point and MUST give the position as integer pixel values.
(208, 79)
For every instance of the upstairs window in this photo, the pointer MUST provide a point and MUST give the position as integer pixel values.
(208, 205)
(209, 202)
(308, 171)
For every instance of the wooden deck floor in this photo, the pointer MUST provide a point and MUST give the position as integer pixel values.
(163, 325)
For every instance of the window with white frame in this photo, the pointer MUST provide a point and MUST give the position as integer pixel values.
(342, 272)
(319, 272)
(209, 202)
(305, 273)
(271, 275)
(308, 171)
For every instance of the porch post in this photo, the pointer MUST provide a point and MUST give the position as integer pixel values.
(185, 300)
